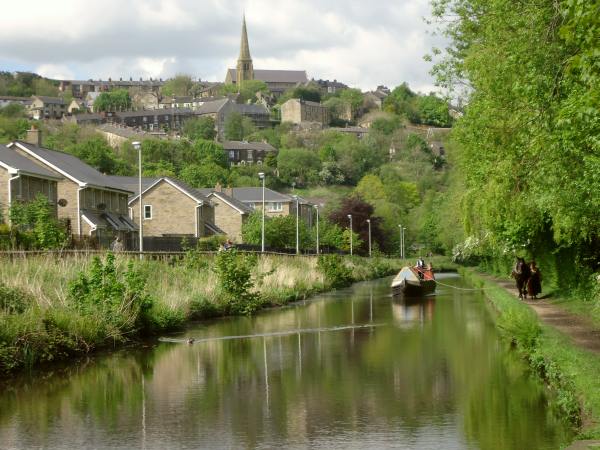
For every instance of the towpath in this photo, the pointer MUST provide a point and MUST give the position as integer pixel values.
(579, 329)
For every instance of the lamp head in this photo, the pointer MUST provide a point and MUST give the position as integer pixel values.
(349, 216)
(368, 220)
(137, 145)
(261, 175)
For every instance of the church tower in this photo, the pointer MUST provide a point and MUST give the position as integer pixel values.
(245, 71)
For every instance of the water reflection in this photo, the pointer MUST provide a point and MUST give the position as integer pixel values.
(359, 379)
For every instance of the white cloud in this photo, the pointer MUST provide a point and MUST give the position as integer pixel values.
(360, 43)
(56, 71)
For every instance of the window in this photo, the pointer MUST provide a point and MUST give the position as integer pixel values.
(147, 212)
(251, 205)
(275, 206)
(231, 154)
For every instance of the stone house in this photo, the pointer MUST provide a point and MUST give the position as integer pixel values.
(47, 107)
(230, 213)
(90, 202)
(85, 119)
(276, 203)
(6, 100)
(298, 111)
(171, 208)
(116, 135)
(243, 152)
(76, 106)
(80, 88)
(22, 179)
(150, 120)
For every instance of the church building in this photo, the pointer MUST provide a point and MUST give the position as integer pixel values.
(278, 81)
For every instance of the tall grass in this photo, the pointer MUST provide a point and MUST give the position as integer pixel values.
(51, 326)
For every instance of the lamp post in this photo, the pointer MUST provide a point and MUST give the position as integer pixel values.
(350, 217)
(400, 242)
(297, 226)
(369, 222)
(138, 146)
(403, 246)
(317, 209)
(261, 175)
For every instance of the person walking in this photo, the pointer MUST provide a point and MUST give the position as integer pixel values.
(520, 273)
(534, 284)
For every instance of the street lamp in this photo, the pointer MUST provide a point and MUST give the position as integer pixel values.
(400, 242)
(350, 217)
(317, 209)
(403, 246)
(369, 222)
(297, 226)
(261, 175)
(138, 146)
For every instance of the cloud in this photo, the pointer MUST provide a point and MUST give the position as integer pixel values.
(360, 43)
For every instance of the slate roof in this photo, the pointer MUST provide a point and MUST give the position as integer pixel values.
(10, 158)
(250, 109)
(254, 195)
(227, 198)
(72, 166)
(276, 76)
(153, 112)
(84, 117)
(212, 107)
(243, 145)
(50, 100)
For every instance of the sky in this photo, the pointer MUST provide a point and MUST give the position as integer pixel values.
(360, 43)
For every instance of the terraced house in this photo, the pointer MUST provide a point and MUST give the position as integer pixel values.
(91, 203)
(22, 180)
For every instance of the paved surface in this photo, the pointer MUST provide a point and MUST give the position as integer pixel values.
(584, 445)
(579, 329)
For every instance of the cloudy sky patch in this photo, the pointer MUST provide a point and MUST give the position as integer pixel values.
(359, 43)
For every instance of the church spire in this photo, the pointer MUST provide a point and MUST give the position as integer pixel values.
(245, 71)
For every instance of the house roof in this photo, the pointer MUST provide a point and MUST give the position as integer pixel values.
(254, 194)
(70, 166)
(233, 202)
(86, 116)
(14, 162)
(276, 76)
(131, 184)
(250, 109)
(211, 107)
(52, 100)
(305, 102)
(243, 145)
(108, 220)
(154, 112)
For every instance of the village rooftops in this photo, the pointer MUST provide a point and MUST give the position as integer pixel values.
(254, 195)
(18, 164)
(69, 166)
(233, 202)
(211, 107)
(276, 76)
(50, 100)
(154, 112)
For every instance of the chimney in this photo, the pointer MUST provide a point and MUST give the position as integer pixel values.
(34, 136)
(218, 187)
(229, 191)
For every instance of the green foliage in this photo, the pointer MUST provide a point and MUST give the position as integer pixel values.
(210, 151)
(311, 94)
(280, 231)
(11, 129)
(433, 110)
(37, 219)
(200, 128)
(118, 100)
(247, 90)
(207, 174)
(234, 271)
(116, 295)
(238, 127)
(298, 165)
(158, 169)
(26, 84)
(387, 125)
(96, 152)
(181, 85)
(14, 300)
(14, 110)
(202, 308)
(335, 270)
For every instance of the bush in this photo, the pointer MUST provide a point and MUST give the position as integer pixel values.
(335, 271)
(13, 300)
(234, 271)
(202, 308)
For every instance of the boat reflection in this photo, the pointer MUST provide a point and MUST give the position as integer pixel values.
(412, 310)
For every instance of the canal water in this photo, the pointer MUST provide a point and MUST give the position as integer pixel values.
(353, 369)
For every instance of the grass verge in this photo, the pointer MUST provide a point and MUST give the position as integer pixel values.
(569, 372)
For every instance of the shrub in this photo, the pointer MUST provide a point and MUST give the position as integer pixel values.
(202, 308)
(335, 271)
(13, 300)
(234, 272)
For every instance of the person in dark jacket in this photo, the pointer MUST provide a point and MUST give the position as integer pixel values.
(534, 283)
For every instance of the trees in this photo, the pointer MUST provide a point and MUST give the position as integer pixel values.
(360, 211)
(200, 128)
(206, 174)
(36, 219)
(118, 100)
(298, 165)
(308, 93)
(237, 127)
(181, 85)
(96, 152)
(247, 90)
(433, 110)
(280, 231)
(210, 151)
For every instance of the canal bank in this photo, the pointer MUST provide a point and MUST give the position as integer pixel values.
(351, 369)
(569, 369)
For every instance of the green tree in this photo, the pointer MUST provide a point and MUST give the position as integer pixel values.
(298, 165)
(210, 151)
(354, 98)
(207, 174)
(433, 110)
(179, 86)
(280, 231)
(247, 90)
(37, 219)
(237, 127)
(200, 128)
(118, 100)
(96, 152)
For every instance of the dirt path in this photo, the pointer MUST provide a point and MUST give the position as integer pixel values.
(580, 330)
